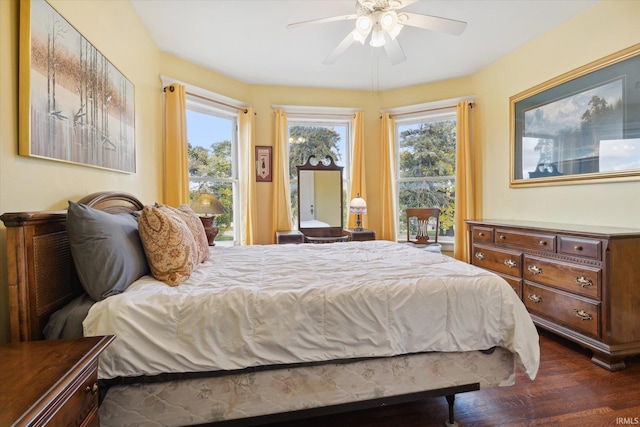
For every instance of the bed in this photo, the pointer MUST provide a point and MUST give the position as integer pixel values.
(289, 331)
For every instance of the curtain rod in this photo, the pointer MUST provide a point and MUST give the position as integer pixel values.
(426, 111)
(171, 89)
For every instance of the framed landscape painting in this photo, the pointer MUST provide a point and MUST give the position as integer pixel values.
(579, 127)
(75, 105)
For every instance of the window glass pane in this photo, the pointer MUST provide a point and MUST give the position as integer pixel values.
(426, 170)
(212, 164)
(209, 140)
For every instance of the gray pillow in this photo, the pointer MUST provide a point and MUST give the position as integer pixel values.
(106, 250)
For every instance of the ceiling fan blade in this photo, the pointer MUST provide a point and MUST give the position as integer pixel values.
(394, 50)
(404, 3)
(340, 49)
(434, 23)
(322, 21)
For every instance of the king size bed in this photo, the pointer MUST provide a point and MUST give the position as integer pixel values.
(264, 333)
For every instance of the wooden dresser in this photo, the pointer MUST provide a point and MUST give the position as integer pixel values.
(581, 282)
(53, 382)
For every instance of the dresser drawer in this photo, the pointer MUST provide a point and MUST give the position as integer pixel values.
(498, 260)
(82, 399)
(482, 234)
(579, 279)
(540, 242)
(515, 283)
(580, 314)
(588, 248)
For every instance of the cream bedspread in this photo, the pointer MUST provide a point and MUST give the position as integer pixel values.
(276, 304)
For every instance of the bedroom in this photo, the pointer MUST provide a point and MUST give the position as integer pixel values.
(49, 185)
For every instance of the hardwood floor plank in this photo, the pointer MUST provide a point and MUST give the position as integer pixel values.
(569, 391)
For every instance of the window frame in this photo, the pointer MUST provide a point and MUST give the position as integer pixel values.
(325, 117)
(202, 105)
(419, 116)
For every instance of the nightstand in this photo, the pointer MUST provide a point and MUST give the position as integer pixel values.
(291, 236)
(51, 382)
(360, 236)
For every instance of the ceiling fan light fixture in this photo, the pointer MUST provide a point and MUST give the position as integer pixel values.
(364, 24)
(359, 37)
(395, 4)
(395, 31)
(377, 38)
(388, 20)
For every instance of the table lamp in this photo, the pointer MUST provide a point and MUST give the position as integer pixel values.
(207, 206)
(358, 206)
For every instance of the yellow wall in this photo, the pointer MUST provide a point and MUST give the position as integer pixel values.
(606, 28)
(35, 184)
(113, 27)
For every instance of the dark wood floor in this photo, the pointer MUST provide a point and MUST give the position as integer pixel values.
(568, 391)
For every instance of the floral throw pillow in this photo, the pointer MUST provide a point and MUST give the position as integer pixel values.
(171, 250)
(195, 226)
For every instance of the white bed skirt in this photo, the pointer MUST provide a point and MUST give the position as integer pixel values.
(204, 400)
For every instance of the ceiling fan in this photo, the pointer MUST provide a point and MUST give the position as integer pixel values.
(383, 20)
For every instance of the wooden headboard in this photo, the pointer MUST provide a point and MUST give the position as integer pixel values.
(41, 274)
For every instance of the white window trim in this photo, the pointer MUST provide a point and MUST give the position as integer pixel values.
(206, 102)
(218, 101)
(412, 113)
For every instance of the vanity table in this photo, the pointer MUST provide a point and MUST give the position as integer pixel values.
(290, 236)
(359, 235)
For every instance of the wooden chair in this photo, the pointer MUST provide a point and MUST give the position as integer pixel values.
(422, 217)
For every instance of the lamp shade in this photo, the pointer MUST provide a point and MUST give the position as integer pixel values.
(358, 205)
(208, 204)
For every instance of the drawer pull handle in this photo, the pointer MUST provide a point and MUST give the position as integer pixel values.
(535, 298)
(583, 281)
(583, 314)
(480, 255)
(503, 237)
(93, 389)
(510, 263)
(534, 269)
(577, 248)
(543, 243)
(481, 234)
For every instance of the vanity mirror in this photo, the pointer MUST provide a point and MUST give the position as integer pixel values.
(320, 206)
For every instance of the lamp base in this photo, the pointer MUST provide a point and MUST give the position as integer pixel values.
(358, 227)
(210, 230)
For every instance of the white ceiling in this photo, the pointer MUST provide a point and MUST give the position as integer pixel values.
(248, 39)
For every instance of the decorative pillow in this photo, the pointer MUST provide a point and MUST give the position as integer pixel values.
(170, 247)
(106, 250)
(195, 226)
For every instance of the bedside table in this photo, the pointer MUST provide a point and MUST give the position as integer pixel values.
(51, 382)
(360, 236)
(292, 236)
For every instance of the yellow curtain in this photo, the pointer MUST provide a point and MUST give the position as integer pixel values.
(465, 189)
(247, 176)
(358, 184)
(388, 206)
(176, 162)
(280, 174)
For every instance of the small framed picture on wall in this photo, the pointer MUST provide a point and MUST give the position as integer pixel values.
(263, 164)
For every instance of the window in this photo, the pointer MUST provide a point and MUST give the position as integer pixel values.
(212, 135)
(319, 138)
(426, 168)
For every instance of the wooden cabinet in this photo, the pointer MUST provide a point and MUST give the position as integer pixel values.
(291, 236)
(52, 382)
(360, 235)
(580, 282)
